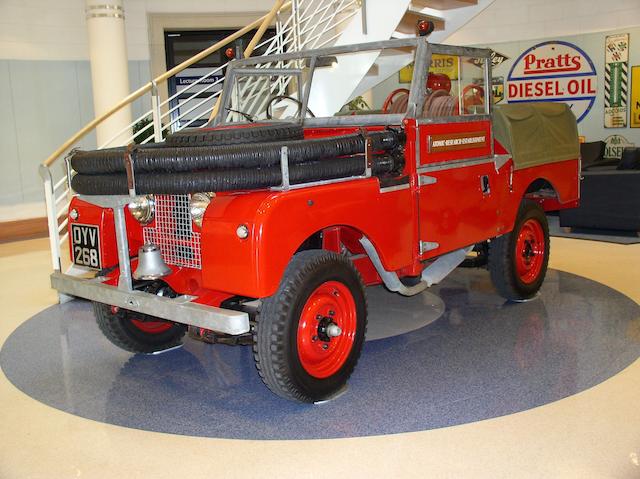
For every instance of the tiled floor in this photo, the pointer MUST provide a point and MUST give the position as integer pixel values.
(594, 433)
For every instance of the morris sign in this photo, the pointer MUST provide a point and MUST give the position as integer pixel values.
(554, 71)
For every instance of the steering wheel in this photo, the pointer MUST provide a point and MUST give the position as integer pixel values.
(285, 97)
(392, 97)
(472, 95)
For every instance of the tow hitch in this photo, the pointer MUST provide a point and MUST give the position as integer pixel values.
(211, 337)
(238, 303)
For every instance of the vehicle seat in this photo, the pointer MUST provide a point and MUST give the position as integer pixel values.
(630, 159)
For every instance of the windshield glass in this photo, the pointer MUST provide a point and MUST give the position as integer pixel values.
(259, 93)
(333, 85)
(324, 86)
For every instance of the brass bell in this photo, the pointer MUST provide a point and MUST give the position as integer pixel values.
(151, 266)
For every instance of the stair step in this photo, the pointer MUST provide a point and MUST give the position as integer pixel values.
(442, 4)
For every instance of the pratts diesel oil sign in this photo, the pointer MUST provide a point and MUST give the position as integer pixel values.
(554, 71)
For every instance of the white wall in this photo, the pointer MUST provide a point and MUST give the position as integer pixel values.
(43, 30)
(42, 103)
(56, 30)
(516, 20)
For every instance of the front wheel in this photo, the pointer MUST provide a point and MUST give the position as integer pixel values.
(518, 260)
(309, 334)
(136, 332)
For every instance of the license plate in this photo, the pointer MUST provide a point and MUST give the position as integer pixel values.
(85, 244)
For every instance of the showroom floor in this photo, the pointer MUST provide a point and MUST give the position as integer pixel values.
(594, 432)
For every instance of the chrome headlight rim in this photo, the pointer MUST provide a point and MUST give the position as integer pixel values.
(143, 209)
(198, 204)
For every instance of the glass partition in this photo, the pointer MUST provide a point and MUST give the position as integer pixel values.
(456, 86)
(473, 93)
(329, 83)
(269, 95)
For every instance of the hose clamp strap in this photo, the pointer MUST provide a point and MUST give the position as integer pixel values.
(368, 157)
(129, 168)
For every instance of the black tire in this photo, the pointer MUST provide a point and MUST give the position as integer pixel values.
(236, 136)
(121, 331)
(504, 251)
(276, 351)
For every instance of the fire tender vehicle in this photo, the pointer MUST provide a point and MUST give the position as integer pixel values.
(264, 227)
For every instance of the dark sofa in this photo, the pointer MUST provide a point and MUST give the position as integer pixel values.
(609, 192)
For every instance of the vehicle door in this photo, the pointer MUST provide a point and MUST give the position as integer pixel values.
(460, 180)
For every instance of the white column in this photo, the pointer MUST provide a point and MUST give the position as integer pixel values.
(109, 67)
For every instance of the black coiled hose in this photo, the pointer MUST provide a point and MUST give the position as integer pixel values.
(230, 179)
(167, 159)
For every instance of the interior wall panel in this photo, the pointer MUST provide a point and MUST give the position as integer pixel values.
(44, 103)
(10, 184)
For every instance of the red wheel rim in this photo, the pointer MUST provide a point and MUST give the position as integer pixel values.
(530, 251)
(151, 327)
(331, 302)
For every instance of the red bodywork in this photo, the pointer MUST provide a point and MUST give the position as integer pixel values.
(450, 210)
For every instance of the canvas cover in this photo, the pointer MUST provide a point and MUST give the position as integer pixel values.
(537, 133)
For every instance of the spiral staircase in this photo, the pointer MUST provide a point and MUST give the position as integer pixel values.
(299, 25)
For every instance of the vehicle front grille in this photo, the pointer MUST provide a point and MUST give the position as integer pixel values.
(173, 232)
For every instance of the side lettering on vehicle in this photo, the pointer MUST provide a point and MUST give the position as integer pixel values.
(457, 141)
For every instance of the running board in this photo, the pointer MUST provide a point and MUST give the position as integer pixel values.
(445, 264)
(432, 274)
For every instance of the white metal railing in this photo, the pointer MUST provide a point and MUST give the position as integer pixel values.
(300, 25)
(312, 24)
(57, 197)
(169, 115)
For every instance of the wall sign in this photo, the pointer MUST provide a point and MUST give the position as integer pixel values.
(497, 87)
(554, 71)
(616, 58)
(186, 80)
(405, 74)
(615, 145)
(447, 64)
(635, 97)
(496, 59)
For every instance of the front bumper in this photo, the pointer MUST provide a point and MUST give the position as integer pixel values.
(180, 309)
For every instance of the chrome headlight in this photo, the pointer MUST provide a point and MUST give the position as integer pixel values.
(143, 208)
(198, 205)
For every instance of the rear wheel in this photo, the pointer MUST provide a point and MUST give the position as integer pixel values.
(518, 260)
(310, 333)
(136, 332)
